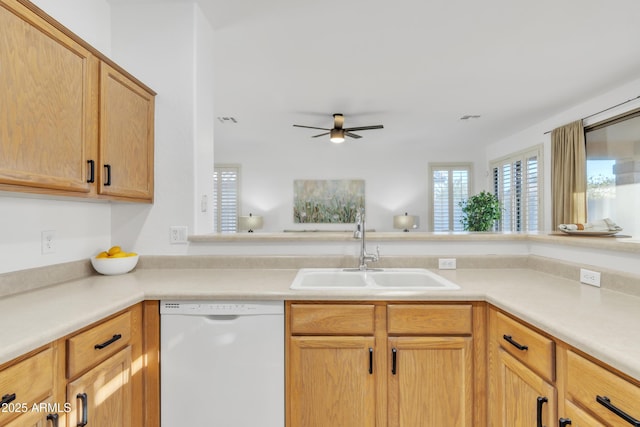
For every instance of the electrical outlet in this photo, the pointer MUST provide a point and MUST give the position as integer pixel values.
(447, 263)
(589, 277)
(48, 242)
(178, 234)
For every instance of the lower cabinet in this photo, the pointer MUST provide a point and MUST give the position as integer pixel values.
(104, 375)
(102, 396)
(332, 382)
(379, 364)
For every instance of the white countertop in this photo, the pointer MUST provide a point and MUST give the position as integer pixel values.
(600, 322)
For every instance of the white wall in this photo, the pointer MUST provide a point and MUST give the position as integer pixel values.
(167, 45)
(395, 181)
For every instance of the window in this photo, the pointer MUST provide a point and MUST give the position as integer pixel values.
(613, 171)
(517, 182)
(450, 184)
(225, 198)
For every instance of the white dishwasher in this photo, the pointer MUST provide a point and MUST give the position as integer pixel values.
(222, 363)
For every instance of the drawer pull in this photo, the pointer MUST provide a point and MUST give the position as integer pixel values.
(370, 360)
(606, 402)
(514, 343)
(563, 422)
(115, 338)
(54, 419)
(8, 398)
(85, 409)
(394, 360)
(541, 401)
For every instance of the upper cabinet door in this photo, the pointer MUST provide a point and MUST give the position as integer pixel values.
(126, 137)
(48, 105)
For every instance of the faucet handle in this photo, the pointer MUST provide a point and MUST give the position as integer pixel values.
(377, 255)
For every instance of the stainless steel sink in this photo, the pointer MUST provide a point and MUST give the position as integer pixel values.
(388, 278)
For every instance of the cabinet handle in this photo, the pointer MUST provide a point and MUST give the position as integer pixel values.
(563, 422)
(370, 360)
(394, 356)
(7, 398)
(606, 402)
(85, 409)
(541, 401)
(92, 171)
(54, 419)
(113, 339)
(514, 343)
(107, 181)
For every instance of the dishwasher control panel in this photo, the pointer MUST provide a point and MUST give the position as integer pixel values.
(221, 308)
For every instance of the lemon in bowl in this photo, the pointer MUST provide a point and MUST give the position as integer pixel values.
(114, 261)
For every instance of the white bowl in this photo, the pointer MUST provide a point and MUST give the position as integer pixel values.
(114, 266)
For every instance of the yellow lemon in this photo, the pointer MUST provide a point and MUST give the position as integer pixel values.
(102, 254)
(114, 250)
(132, 254)
(119, 255)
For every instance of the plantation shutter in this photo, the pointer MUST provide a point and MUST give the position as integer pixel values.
(225, 199)
(516, 183)
(449, 186)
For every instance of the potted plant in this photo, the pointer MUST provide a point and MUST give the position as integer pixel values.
(480, 212)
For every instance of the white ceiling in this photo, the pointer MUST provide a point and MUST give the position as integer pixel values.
(415, 66)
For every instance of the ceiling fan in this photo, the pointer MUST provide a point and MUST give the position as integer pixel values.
(338, 132)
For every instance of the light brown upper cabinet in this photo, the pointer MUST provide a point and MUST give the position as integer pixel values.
(126, 136)
(47, 113)
(71, 121)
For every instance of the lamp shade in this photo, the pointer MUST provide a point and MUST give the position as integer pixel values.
(250, 223)
(404, 222)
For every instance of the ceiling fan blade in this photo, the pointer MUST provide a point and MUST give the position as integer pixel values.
(338, 121)
(352, 135)
(310, 127)
(322, 134)
(365, 128)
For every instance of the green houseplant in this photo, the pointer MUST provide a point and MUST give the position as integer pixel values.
(480, 212)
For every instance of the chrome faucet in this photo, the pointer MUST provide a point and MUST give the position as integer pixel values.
(360, 233)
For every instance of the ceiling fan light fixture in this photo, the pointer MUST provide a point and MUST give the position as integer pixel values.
(337, 136)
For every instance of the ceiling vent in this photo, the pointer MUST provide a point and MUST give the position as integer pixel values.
(470, 116)
(227, 119)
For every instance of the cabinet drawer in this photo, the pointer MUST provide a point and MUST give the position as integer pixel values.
(589, 384)
(96, 344)
(416, 319)
(30, 380)
(332, 319)
(533, 349)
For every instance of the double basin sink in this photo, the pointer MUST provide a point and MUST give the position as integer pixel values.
(387, 278)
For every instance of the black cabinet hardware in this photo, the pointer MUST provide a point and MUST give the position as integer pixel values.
(541, 401)
(606, 402)
(54, 419)
(514, 343)
(115, 338)
(107, 180)
(85, 409)
(394, 354)
(563, 422)
(370, 360)
(8, 398)
(92, 171)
